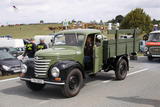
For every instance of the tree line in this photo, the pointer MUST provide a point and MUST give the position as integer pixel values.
(136, 18)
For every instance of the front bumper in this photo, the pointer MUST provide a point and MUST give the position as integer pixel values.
(44, 82)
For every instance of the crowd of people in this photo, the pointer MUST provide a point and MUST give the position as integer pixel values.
(31, 48)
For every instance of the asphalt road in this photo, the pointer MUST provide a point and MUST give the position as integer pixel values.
(141, 88)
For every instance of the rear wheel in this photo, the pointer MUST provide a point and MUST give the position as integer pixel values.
(74, 82)
(34, 86)
(121, 69)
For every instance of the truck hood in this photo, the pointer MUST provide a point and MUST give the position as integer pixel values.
(60, 51)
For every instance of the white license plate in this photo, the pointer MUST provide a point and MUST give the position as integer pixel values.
(37, 81)
(16, 71)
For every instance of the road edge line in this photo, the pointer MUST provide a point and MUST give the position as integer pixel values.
(9, 79)
(142, 70)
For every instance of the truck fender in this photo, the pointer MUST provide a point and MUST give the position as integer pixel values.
(30, 67)
(122, 57)
(66, 65)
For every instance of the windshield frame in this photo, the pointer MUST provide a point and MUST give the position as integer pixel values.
(152, 36)
(77, 41)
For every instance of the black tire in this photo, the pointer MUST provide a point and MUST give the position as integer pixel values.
(121, 69)
(133, 57)
(73, 83)
(150, 58)
(34, 86)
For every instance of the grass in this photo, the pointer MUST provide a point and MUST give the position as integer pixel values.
(29, 31)
(26, 31)
(9, 76)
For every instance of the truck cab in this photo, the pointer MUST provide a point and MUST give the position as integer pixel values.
(75, 54)
(152, 49)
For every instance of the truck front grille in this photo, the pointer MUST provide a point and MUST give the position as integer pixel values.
(41, 67)
(154, 50)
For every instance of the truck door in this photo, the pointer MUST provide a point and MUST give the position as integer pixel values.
(97, 53)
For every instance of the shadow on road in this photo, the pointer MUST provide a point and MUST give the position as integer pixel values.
(101, 76)
(137, 100)
(50, 91)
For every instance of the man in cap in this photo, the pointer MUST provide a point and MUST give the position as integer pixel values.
(30, 49)
(41, 45)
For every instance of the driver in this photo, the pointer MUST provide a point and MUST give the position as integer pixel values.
(88, 60)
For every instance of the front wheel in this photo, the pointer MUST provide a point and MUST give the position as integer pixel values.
(121, 69)
(34, 86)
(74, 82)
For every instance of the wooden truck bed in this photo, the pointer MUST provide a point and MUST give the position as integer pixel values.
(117, 47)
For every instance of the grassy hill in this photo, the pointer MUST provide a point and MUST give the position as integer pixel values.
(26, 31)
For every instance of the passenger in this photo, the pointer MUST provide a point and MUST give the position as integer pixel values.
(41, 45)
(30, 49)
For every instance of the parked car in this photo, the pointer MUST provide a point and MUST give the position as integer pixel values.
(9, 64)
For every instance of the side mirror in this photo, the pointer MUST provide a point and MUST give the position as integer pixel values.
(99, 37)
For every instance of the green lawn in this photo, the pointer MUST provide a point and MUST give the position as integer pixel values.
(26, 31)
(29, 31)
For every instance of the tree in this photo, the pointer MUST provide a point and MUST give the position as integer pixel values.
(101, 22)
(137, 18)
(41, 21)
(119, 18)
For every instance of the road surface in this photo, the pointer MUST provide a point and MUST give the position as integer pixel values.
(141, 88)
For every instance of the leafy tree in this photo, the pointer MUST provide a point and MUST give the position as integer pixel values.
(41, 21)
(119, 18)
(137, 18)
(154, 21)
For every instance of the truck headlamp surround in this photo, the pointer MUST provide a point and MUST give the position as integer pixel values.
(6, 67)
(55, 72)
(24, 68)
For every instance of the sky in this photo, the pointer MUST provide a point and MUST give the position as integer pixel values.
(32, 11)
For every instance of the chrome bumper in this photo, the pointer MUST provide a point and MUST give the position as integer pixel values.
(45, 82)
(155, 55)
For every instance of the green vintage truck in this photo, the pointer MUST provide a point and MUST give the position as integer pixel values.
(75, 54)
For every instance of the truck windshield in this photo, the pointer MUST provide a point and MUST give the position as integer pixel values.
(69, 39)
(154, 37)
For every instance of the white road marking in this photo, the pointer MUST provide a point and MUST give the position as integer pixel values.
(9, 79)
(43, 102)
(106, 81)
(142, 70)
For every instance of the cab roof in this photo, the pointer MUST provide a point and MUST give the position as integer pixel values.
(81, 31)
(158, 31)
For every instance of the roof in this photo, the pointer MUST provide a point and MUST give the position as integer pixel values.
(157, 31)
(81, 31)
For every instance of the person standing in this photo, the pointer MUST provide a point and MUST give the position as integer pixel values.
(41, 45)
(30, 49)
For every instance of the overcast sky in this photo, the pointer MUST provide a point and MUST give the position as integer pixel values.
(32, 11)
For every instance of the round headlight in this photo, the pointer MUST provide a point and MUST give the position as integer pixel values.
(55, 72)
(6, 67)
(24, 68)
